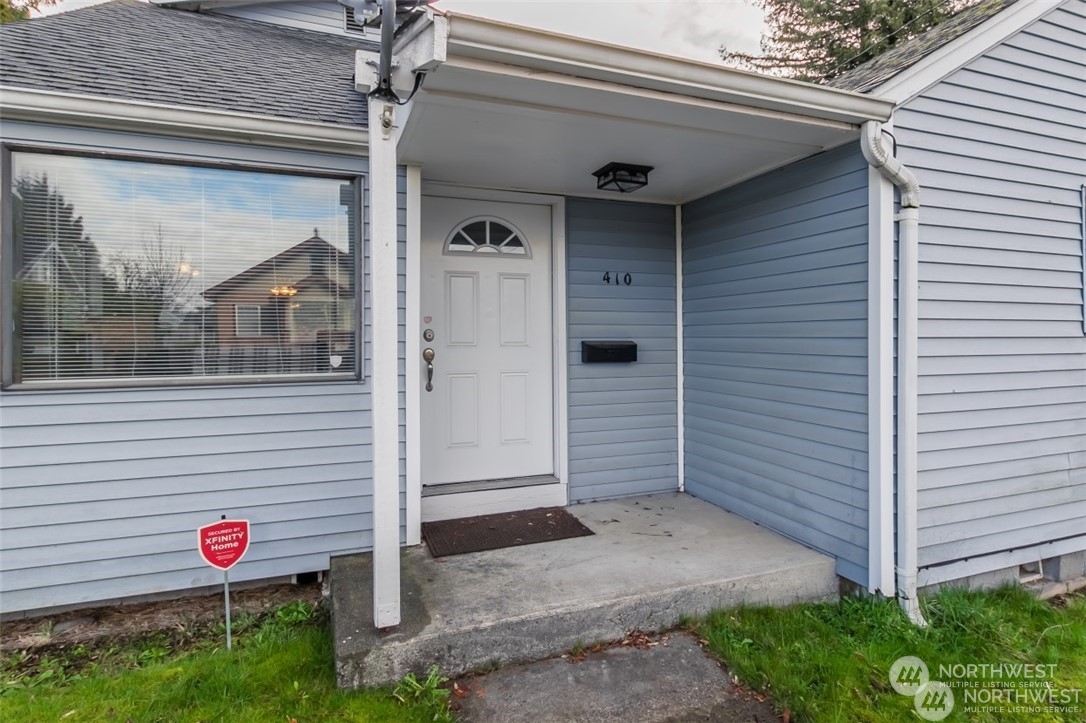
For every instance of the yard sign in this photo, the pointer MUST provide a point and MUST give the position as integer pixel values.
(222, 544)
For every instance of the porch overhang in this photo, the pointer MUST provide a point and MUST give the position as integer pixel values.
(516, 108)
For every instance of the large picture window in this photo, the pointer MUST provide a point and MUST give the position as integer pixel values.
(139, 272)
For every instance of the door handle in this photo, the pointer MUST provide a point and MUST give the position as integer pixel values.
(428, 357)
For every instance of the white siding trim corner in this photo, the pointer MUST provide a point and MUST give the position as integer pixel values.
(679, 381)
(560, 343)
(413, 381)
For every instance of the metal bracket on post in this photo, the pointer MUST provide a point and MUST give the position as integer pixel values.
(387, 120)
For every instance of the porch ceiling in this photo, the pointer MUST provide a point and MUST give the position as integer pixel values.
(493, 126)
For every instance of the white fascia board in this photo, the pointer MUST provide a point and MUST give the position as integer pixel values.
(482, 39)
(126, 115)
(961, 51)
(212, 4)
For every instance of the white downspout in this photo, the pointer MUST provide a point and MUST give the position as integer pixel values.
(907, 314)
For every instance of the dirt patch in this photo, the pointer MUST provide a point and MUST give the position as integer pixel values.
(127, 621)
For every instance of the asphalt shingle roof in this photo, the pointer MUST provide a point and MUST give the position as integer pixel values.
(138, 51)
(878, 70)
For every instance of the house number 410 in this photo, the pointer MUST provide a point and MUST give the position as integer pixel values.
(618, 279)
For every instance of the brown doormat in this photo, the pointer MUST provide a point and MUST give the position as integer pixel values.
(493, 532)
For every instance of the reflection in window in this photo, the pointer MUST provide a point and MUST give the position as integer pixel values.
(133, 271)
(486, 236)
(247, 320)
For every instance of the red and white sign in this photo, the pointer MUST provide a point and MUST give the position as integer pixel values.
(223, 543)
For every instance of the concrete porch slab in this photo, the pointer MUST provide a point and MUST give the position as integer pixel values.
(652, 561)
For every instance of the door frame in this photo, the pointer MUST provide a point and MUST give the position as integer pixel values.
(467, 504)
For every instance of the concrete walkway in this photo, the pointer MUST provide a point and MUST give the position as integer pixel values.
(652, 561)
(669, 681)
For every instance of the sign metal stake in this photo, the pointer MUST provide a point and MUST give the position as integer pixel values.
(226, 594)
(221, 545)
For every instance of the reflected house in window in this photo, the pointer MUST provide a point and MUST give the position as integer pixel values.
(58, 282)
(300, 298)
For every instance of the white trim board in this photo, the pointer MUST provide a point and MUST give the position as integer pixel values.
(560, 329)
(488, 502)
(156, 118)
(680, 380)
(469, 504)
(412, 351)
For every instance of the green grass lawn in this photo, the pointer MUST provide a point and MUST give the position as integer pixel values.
(828, 663)
(279, 670)
(823, 663)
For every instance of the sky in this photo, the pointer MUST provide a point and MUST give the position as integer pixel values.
(220, 221)
(686, 28)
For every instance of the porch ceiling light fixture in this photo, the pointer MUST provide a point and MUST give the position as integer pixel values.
(622, 177)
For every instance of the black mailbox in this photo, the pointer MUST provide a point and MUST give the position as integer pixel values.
(595, 352)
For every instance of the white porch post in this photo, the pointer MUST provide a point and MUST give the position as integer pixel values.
(385, 383)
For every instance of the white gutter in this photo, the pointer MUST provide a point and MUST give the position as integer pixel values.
(212, 4)
(908, 240)
(127, 115)
(484, 39)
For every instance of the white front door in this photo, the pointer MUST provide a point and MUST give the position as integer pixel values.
(486, 299)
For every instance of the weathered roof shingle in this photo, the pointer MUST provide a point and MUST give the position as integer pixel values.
(139, 51)
(880, 69)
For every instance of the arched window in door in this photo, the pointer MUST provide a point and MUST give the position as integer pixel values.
(487, 235)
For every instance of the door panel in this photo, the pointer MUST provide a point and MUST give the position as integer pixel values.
(486, 295)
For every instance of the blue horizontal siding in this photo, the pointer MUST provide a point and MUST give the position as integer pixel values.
(775, 353)
(999, 149)
(102, 490)
(321, 17)
(623, 435)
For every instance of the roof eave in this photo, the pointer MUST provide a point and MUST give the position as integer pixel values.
(505, 43)
(128, 115)
(932, 68)
(211, 4)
